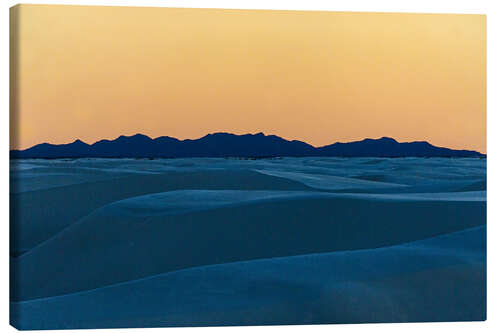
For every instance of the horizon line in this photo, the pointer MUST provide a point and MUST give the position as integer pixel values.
(229, 133)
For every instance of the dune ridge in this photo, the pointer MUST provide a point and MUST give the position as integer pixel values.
(40, 214)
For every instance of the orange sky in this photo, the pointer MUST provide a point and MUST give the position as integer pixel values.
(99, 72)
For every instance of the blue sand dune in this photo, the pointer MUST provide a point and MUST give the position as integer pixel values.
(436, 279)
(40, 214)
(45, 195)
(162, 232)
(130, 242)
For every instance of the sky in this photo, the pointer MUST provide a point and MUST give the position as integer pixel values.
(95, 72)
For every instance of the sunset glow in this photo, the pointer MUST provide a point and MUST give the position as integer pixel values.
(99, 72)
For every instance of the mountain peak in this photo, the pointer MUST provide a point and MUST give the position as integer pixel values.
(387, 139)
(139, 135)
(135, 136)
(217, 134)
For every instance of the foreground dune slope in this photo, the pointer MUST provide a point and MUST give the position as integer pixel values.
(441, 278)
(164, 232)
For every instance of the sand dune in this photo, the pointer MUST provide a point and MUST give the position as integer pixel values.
(328, 182)
(38, 215)
(213, 241)
(129, 239)
(440, 278)
(46, 195)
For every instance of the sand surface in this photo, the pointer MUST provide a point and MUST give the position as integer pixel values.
(182, 242)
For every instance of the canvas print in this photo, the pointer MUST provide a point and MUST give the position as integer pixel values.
(206, 167)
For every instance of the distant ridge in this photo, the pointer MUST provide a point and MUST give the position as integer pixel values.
(232, 145)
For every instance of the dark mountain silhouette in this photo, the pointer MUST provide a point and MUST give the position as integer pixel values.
(388, 147)
(231, 145)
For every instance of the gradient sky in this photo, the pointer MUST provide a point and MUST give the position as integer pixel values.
(98, 72)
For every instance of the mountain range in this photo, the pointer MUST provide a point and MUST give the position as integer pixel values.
(232, 145)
